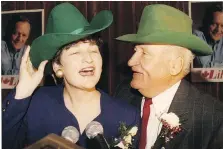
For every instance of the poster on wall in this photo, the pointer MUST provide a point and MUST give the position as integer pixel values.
(208, 25)
(14, 39)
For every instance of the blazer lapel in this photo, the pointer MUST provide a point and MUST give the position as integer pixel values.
(182, 108)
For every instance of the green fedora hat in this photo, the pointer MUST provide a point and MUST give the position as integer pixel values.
(65, 24)
(162, 24)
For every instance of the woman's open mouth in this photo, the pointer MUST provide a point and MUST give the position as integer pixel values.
(88, 71)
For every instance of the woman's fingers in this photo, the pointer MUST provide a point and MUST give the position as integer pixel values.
(30, 67)
(26, 54)
(27, 64)
(42, 66)
(25, 57)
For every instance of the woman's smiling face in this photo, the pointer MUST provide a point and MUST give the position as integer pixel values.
(81, 64)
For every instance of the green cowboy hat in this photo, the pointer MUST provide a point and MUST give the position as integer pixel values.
(162, 24)
(65, 24)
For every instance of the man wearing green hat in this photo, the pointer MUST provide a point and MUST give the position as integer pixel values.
(175, 114)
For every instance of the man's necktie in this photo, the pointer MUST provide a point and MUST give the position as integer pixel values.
(145, 117)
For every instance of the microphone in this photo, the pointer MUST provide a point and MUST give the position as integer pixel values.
(70, 133)
(94, 132)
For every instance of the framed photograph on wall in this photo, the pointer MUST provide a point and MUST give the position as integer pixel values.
(208, 26)
(36, 19)
(35, 16)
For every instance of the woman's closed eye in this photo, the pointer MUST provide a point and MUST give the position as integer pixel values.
(94, 51)
(74, 53)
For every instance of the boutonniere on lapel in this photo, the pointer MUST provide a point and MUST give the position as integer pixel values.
(171, 126)
(126, 137)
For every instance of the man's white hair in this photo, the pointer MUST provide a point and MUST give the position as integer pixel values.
(188, 58)
(177, 51)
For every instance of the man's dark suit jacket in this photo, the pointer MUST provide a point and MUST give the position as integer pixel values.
(201, 116)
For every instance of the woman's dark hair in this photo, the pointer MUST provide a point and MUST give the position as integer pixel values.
(11, 25)
(208, 17)
(95, 38)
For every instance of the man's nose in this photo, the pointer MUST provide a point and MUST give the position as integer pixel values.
(218, 29)
(19, 38)
(134, 60)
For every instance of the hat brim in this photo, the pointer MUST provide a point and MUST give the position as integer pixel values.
(190, 41)
(46, 46)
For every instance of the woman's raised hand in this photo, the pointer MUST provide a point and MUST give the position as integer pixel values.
(29, 78)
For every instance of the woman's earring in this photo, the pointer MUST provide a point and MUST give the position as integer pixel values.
(59, 73)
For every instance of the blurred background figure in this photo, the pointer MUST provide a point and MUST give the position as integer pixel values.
(212, 33)
(14, 44)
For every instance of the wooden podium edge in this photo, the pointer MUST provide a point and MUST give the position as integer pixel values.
(54, 141)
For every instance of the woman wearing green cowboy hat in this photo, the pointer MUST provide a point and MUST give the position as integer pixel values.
(69, 42)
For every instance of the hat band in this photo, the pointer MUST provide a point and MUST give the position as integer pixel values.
(79, 30)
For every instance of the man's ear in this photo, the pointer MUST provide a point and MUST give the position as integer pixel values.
(176, 66)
